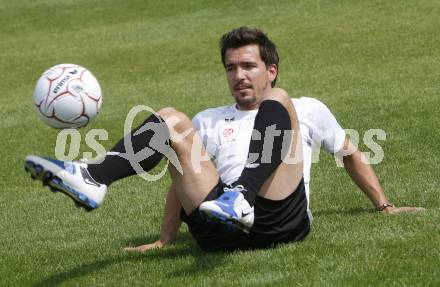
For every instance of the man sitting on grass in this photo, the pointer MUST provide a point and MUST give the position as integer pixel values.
(255, 196)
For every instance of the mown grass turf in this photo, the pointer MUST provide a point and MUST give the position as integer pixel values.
(376, 64)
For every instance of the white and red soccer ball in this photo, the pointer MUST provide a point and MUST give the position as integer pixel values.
(67, 96)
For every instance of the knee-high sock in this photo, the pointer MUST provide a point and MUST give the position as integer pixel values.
(151, 137)
(271, 121)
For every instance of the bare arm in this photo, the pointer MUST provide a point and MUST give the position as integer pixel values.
(364, 176)
(171, 219)
(170, 224)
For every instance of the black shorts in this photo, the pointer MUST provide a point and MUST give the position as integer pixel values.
(276, 221)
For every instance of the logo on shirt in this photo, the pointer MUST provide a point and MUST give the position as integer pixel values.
(228, 132)
(229, 119)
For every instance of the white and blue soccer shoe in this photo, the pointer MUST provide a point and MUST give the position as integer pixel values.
(70, 178)
(231, 208)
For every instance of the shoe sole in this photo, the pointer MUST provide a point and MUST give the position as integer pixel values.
(227, 220)
(37, 172)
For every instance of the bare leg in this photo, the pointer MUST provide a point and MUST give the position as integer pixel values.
(198, 177)
(288, 174)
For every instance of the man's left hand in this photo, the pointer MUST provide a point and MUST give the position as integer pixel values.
(396, 210)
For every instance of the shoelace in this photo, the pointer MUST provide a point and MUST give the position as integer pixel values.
(238, 188)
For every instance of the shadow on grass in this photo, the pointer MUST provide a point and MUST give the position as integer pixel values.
(184, 246)
(345, 211)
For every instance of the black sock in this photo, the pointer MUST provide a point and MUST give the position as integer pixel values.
(271, 116)
(153, 137)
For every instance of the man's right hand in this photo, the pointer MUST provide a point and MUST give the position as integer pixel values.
(145, 247)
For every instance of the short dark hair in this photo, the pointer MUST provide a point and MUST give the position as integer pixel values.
(247, 36)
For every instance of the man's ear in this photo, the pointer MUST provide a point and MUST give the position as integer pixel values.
(272, 72)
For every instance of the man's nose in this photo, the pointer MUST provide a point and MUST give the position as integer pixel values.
(240, 73)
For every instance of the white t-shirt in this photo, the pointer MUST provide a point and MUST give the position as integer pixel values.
(226, 133)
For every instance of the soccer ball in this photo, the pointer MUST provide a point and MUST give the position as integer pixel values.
(67, 96)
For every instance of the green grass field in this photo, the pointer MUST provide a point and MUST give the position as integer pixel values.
(376, 64)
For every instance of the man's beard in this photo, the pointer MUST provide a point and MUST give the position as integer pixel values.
(245, 102)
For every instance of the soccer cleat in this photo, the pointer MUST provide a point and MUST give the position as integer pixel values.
(231, 208)
(70, 178)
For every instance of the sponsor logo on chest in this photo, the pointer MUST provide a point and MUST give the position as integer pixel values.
(227, 132)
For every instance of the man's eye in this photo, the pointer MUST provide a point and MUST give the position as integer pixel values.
(248, 66)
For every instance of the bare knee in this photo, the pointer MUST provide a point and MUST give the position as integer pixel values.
(180, 128)
(279, 95)
(167, 112)
(175, 119)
